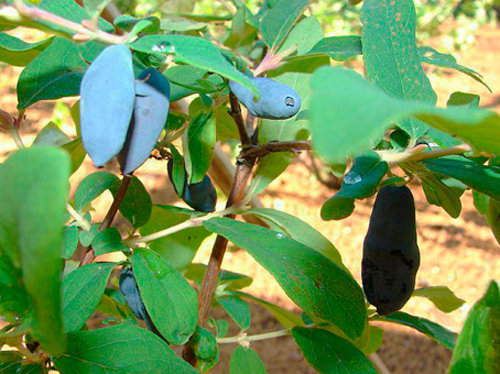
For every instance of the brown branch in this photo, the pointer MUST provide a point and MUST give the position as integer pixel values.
(264, 149)
(238, 119)
(242, 174)
(110, 216)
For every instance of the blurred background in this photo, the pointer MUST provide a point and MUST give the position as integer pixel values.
(459, 253)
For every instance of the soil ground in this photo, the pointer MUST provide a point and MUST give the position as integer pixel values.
(459, 253)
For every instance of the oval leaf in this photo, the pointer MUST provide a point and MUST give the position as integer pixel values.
(33, 191)
(436, 332)
(391, 57)
(313, 282)
(246, 361)
(330, 354)
(82, 292)
(298, 230)
(478, 346)
(66, 66)
(93, 186)
(197, 52)
(119, 349)
(442, 297)
(170, 300)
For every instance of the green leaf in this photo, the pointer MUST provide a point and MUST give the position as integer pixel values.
(15, 52)
(238, 310)
(178, 171)
(70, 10)
(82, 292)
(313, 282)
(128, 23)
(108, 241)
(478, 346)
(137, 204)
(246, 361)
(330, 354)
(53, 74)
(86, 237)
(441, 296)
(463, 99)
(375, 340)
(304, 36)
(182, 25)
(391, 57)
(286, 318)
(226, 128)
(182, 79)
(360, 182)
(221, 326)
(15, 303)
(439, 194)
(33, 191)
(242, 33)
(485, 179)
(279, 21)
(480, 202)
(269, 168)
(438, 333)
(338, 48)
(298, 230)
(11, 362)
(120, 349)
(198, 145)
(366, 173)
(337, 207)
(180, 248)
(76, 153)
(70, 241)
(227, 279)
(169, 299)
(364, 120)
(51, 134)
(95, 7)
(197, 52)
(92, 186)
(430, 56)
(493, 217)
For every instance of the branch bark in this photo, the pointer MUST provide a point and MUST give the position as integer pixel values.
(264, 149)
(242, 174)
(238, 119)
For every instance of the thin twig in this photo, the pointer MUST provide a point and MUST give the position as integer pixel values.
(110, 216)
(377, 361)
(194, 222)
(84, 224)
(14, 133)
(245, 339)
(120, 195)
(82, 33)
(264, 149)
(416, 154)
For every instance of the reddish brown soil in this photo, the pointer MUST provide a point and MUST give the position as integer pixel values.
(459, 253)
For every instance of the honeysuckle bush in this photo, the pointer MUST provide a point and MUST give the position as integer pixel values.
(382, 128)
(340, 17)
